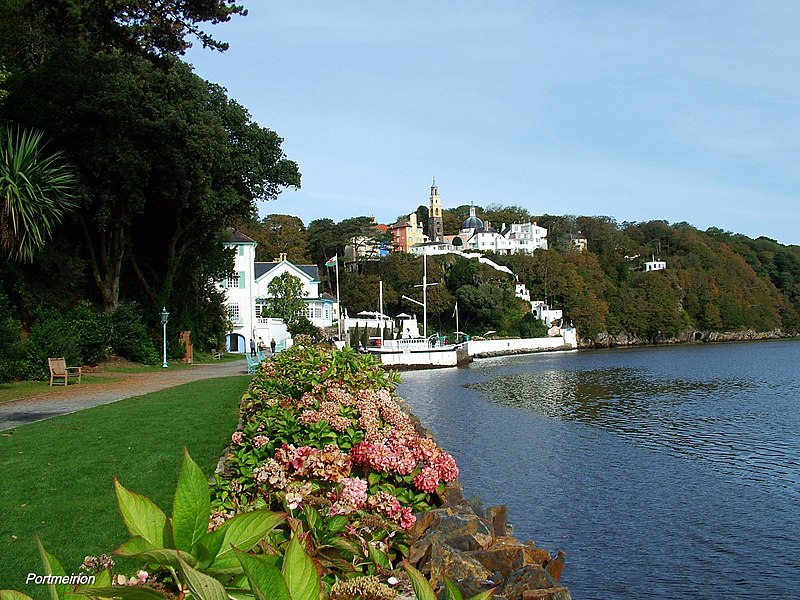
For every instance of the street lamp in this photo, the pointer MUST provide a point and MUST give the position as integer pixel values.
(164, 319)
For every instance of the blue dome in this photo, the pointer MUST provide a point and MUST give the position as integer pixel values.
(472, 222)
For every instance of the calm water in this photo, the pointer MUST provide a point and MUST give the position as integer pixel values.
(662, 472)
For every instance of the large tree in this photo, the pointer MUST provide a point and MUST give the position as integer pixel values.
(165, 161)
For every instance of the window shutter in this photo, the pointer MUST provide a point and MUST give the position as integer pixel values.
(241, 249)
(241, 278)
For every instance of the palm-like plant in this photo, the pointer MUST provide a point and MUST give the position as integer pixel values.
(36, 190)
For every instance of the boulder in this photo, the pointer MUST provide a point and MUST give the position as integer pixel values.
(529, 577)
(446, 561)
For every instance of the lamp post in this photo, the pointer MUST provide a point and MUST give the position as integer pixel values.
(164, 319)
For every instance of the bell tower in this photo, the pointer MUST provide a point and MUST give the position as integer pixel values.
(435, 224)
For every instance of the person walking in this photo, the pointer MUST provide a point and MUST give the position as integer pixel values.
(272, 345)
(252, 347)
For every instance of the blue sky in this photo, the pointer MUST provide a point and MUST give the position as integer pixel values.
(682, 111)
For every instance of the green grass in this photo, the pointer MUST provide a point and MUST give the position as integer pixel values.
(57, 475)
(24, 389)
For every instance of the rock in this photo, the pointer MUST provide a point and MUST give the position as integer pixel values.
(553, 593)
(466, 531)
(555, 566)
(500, 558)
(534, 555)
(446, 561)
(529, 577)
(499, 518)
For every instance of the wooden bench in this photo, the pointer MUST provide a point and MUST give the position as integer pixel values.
(60, 370)
(216, 354)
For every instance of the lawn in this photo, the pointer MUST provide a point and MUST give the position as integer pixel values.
(57, 475)
(108, 372)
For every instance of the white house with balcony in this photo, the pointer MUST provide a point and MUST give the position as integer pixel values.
(246, 296)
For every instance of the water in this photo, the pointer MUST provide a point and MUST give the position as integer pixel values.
(663, 472)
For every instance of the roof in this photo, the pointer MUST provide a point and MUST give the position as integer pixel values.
(262, 268)
(472, 222)
(235, 236)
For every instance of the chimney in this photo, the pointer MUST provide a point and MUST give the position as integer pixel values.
(282, 257)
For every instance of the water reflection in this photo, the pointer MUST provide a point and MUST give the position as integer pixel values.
(683, 416)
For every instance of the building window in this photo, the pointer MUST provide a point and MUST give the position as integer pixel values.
(233, 313)
(236, 280)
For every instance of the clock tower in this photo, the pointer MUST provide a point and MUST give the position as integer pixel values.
(435, 224)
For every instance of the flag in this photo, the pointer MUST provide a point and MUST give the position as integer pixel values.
(332, 261)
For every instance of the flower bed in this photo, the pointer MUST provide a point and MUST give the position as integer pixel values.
(322, 438)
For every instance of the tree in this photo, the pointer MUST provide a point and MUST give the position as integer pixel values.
(278, 234)
(153, 29)
(36, 191)
(156, 208)
(286, 299)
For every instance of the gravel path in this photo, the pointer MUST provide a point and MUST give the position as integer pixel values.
(64, 400)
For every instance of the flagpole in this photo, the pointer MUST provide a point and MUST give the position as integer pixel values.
(338, 301)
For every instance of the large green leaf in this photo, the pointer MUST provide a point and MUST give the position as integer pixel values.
(301, 577)
(265, 579)
(126, 592)
(141, 516)
(242, 531)
(192, 505)
(202, 586)
(135, 545)
(451, 592)
(166, 557)
(52, 567)
(13, 595)
(422, 588)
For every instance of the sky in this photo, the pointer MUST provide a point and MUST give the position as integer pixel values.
(678, 111)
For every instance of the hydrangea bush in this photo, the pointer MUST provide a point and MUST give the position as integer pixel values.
(323, 438)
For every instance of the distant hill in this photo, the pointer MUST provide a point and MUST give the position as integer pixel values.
(714, 281)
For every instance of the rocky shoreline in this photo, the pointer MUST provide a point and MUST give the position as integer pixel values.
(605, 340)
(474, 547)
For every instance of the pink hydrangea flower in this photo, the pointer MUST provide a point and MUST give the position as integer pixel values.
(237, 437)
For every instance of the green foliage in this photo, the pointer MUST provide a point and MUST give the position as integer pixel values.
(305, 327)
(129, 336)
(36, 191)
(286, 298)
(94, 331)
(54, 335)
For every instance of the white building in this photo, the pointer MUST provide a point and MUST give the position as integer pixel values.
(655, 265)
(246, 296)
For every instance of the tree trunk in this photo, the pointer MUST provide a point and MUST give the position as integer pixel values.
(106, 251)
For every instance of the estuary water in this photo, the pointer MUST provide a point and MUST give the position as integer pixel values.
(666, 472)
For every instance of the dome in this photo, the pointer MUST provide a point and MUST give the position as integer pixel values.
(472, 222)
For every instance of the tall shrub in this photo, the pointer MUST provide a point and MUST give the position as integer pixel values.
(94, 330)
(129, 337)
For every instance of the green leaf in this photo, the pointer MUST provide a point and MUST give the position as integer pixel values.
(126, 592)
(298, 570)
(202, 586)
(265, 579)
(313, 518)
(422, 589)
(487, 595)
(242, 531)
(166, 557)
(192, 505)
(135, 545)
(337, 523)
(451, 591)
(141, 516)
(13, 595)
(378, 557)
(102, 579)
(373, 478)
(52, 567)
